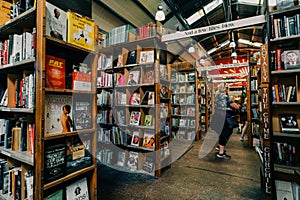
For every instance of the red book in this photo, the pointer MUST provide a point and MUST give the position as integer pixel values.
(55, 72)
(278, 59)
(81, 81)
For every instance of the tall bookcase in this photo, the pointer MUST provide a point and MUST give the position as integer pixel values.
(185, 101)
(280, 149)
(39, 156)
(138, 137)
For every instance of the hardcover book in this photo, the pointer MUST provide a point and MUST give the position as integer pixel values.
(56, 22)
(135, 138)
(131, 59)
(133, 77)
(55, 72)
(54, 163)
(54, 115)
(147, 57)
(149, 140)
(78, 190)
(288, 123)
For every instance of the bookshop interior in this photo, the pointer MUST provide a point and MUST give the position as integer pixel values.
(160, 99)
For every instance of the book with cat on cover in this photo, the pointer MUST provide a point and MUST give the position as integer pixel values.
(78, 190)
(149, 140)
(288, 123)
(55, 72)
(53, 111)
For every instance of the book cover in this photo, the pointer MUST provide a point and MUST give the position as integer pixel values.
(121, 158)
(149, 140)
(291, 59)
(55, 72)
(146, 57)
(121, 116)
(133, 77)
(148, 165)
(77, 153)
(54, 160)
(80, 31)
(163, 72)
(135, 138)
(131, 59)
(55, 195)
(78, 190)
(135, 118)
(288, 123)
(56, 22)
(135, 98)
(81, 81)
(82, 114)
(54, 115)
(149, 75)
(283, 190)
(132, 162)
(148, 120)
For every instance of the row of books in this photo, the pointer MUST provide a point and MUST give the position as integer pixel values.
(104, 62)
(183, 111)
(133, 77)
(255, 128)
(25, 92)
(12, 181)
(285, 26)
(17, 47)
(127, 159)
(253, 85)
(183, 77)
(254, 98)
(183, 99)
(183, 135)
(284, 153)
(104, 98)
(127, 137)
(105, 117)
(104, 79)
(183, 123)
(283, 93)
(183, 88)
(135, 98)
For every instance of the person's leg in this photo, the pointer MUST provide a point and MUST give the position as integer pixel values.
(223, 139)
(244, 130)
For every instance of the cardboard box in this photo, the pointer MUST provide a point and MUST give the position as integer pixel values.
(81, 31)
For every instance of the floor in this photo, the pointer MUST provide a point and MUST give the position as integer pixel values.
(194, 175)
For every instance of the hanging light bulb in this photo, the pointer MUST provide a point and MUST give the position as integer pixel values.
(191, 49)
(160, 15)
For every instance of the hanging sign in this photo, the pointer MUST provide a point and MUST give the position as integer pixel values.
(250, 21)
(222, 66)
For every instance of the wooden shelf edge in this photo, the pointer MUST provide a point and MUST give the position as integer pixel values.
(23, 156)
(69, 176)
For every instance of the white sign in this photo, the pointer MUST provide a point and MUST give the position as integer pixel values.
(226, 75)
(215, 28)
(222, 66)
(229, 80)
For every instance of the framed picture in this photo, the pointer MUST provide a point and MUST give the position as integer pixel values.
(147, 57)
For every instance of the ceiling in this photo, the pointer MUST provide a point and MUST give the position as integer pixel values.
(140, 12)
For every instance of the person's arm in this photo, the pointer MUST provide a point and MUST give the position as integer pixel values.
(234, 106)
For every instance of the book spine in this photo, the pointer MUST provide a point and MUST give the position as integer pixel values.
(278, 59)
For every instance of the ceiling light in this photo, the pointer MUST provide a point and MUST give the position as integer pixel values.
(232, 44)
(233, 54)
(191, 49)
(160, 15)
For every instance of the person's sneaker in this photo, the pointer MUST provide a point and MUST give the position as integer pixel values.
(241, 139)
(217, 148)
(223, 156)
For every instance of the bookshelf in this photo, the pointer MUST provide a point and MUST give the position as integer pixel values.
(185, 99)
(280, 149)
(138, 138)
(36, 148)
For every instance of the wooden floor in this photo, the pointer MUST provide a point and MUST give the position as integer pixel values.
(194, 175)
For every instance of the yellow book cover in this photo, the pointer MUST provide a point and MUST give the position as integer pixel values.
(81, 31)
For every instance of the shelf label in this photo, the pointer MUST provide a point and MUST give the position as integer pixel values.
(264, 60)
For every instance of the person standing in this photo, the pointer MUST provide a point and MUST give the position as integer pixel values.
(225, 107)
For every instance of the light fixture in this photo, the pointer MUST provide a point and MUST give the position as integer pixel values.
(191, 49)
(232, 44)
(233, 54)
(160, 15)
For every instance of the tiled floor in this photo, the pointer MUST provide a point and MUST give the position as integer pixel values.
(190, 177)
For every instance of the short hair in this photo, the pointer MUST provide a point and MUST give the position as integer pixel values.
(222, 87)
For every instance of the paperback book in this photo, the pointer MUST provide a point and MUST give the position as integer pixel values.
(55, 72)
(78, 190)
(149, 140)
(135, 118)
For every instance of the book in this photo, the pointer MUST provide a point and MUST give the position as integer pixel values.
(163, 72)
(54, 117)
(149, 75)
(146, 57)
(55, 195)
(78, 190)
(283, 190)
(77, 153)
(121, 158)
(148, 120)
(80, 30)
(82, 114)
(288, 123)
(9, 124)
(133, 77)
(131, 59)
(54, 160)
(121, 117)
(81, 81)
(135, 138)
(148, 165)
(55, 72)
(148, 98)
(132, 162)
(291, 59)
(135, 98)
(135, 118)
(56, 22)
(149, 140)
